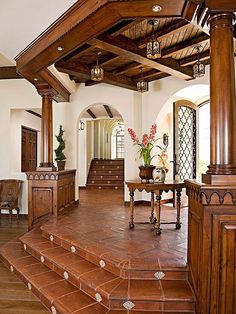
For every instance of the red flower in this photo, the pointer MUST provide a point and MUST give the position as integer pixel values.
(153, 131)
(133, 135)
(145, 139)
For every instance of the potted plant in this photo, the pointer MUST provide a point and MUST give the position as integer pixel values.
(145, 152)
(60, 157)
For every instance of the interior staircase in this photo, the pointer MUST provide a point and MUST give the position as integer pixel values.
(71, 277)
(106, 174)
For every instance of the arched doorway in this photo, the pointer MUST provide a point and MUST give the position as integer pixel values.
(101, 148)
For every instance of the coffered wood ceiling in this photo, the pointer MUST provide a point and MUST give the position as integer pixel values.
(120, 30)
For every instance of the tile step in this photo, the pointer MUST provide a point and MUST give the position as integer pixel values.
(115, 263)
(82, 284)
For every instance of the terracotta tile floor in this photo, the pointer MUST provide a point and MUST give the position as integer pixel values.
(100, 225)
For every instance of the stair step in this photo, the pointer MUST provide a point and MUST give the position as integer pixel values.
(108, 161)
(85, 284)
(55, 292)
(134, 268)
(110, 182)
(106, 177)
(104, 186)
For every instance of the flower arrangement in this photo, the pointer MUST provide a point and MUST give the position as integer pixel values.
(146, 145)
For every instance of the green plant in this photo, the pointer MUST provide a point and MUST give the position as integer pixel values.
(61, 146)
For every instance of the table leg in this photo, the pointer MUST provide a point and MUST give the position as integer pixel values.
(158, 213)
(178, 223)
(152, 218)
(131, 223)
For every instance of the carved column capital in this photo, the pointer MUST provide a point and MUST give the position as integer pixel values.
(45, 90)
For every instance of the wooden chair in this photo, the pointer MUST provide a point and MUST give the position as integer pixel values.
(10, 191)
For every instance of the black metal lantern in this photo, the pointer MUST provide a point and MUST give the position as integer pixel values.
(198, 67)
(97, 73)
(142, 85)
(153, 46)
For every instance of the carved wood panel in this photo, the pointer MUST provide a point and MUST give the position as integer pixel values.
(42, 201)
(223, 285)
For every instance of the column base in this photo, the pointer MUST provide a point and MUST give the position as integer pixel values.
(219, 179)
(46, 167)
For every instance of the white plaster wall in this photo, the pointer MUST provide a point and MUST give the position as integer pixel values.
(14, 94)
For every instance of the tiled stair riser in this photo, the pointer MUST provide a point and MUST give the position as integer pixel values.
(123, 271)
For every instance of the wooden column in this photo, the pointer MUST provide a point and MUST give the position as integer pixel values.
(212, 204)
(222, 95)
(46, 129)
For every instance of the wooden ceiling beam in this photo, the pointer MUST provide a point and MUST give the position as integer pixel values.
(9, 72)
(175, 27)
(108, 110)
(108, 61)
(146, 75)
(89, 111)
(158, 77)
(126, 68)
(125, 47)
(177, 48)
(193, 58)
(83, 72)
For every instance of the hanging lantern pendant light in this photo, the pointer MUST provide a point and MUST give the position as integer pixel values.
(153, 46)
(198, 67)
(142, 85)
(97, 73)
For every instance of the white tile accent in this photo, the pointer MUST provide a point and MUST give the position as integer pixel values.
(128, 305)
(116, 187)
(102, 263)
(99, 187)
(42, 259)
(29, 286)
(53, 309)
(98, 297)
(65, 274)
(95, 171)
(109, 171)
(25, 247)
(92, 181)
(73, 249)
(117, 177)
(11, 268)
(159, 275)
(51, 238)
(101, 177)
(103, 167)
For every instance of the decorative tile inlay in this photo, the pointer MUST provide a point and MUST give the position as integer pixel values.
(102, 263)
(73, 249)
(108, 182)
(42, 259)
(51, 238)
(159, 275)
(53, 309)
(65, 274)
(25, 247)
(128, 305)
(117, 177)
(29, 286)
(95, 171)
(92, 181)
(103, 167)
(116, 187)
(118, 167)
(101, 177)
(109, 171)
(100, 187)
(98, 297)
(11, 268)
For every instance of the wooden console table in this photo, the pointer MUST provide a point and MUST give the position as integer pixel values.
(155, 189)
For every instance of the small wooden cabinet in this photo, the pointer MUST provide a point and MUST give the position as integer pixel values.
(49, 193)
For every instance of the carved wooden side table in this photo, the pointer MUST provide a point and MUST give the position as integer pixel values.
(156, 189)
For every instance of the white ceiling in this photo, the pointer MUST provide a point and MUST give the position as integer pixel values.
(21, 21)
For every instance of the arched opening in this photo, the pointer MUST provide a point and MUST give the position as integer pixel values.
(101, 148)
(198, 95)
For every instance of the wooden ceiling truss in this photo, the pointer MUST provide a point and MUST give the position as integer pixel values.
(121, 34)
